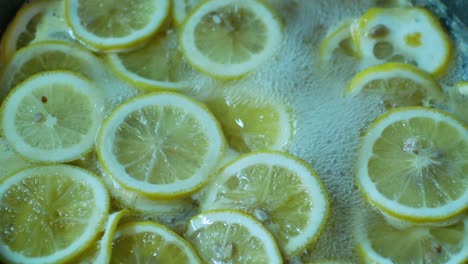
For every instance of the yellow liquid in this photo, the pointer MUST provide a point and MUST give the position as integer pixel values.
(328, 127)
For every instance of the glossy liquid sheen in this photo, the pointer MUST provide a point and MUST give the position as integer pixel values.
(328, 126)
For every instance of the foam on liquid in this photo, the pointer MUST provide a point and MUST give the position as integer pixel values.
(328, 126)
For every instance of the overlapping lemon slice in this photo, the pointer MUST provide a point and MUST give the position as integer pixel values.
(52, 117)
(458, 100)
(150, 242)
(338, 38)
(141, 204)
(10, 161)
(182, 8)
(280, 190)
(48, 56)
(161, 145)
(100, 251)
(157, 65)
(115, 25)
(253, 122)
(25, 27)
(379, 242)
(227, 39)
(399, 84)
(228, 236)
(413, 165)
(50, 214)
(406, 34)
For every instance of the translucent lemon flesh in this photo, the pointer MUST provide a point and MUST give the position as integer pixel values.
(398, 84)
(165, 68)
(50, 213)
(416, 164)
(233, 237)
(278, 191)
(250, 125)
(147, 242)
(380, 242)
(115, 18)
(177, 144)
(229, 39)
(47, 56)
(238, 32)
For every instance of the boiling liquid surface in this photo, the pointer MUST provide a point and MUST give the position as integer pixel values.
(328, 126)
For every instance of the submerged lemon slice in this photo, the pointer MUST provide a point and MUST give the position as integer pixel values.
(52, 117)
(458, 100)
(231, 237)
(399, 84)
(65, 209)
(227, 39)
(161, 145)
(406, 34)
(10, 161)
(31, 24)
(47, 56)
(379, 242)
(100, 251)
(149, 242)
(413, 164)
(182, 8)
(253, 123)
(115, 25)
(339, 38)
(156, 65)
(142, 205)
(280, 190)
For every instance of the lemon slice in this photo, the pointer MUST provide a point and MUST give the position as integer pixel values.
(47, 56)
(141, 204)
(253, 122)
(182, 9)
(22, 30)
(412, 164)
(462, 87)
(100, 251)
(458, 100)
(399, 84)
(10, 161)
(116, 25)
(164, 69)
(379, 242)
(231, 237)
(161, 145)
(338, 38)
(149, 242)
(52, 117)
(50, 214)
(405, 34)
(52, 25)
(227, 39)
(280, 190)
